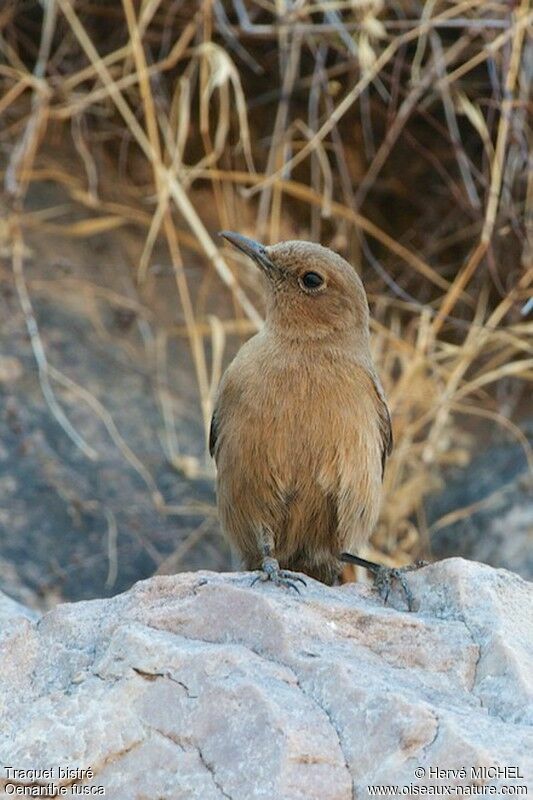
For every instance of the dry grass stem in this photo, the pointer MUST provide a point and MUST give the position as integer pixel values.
(398, 134)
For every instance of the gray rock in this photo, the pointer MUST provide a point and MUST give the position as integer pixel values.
(198, 686)
(496, 492)
(66, 530)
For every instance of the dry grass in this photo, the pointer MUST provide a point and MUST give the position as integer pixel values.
(394, 132)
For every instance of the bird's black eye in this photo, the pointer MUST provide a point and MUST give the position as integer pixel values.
(312, 280)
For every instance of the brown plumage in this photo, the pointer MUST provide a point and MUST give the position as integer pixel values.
(301, 431)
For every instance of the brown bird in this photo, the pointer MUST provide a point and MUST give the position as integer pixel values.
(301, 431)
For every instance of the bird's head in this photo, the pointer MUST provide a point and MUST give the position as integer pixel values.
(312, 292)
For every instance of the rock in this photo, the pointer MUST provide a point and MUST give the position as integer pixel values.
(10, 369)
(65, 528)
(489, 508)
(198, 686)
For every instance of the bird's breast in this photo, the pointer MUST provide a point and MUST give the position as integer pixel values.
(299, 414)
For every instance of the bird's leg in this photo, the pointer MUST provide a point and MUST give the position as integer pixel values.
(384, 577)
(270, 569)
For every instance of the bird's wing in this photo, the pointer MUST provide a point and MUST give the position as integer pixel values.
(217, 421)
(386, 433)
(213, 434)
(384, 423)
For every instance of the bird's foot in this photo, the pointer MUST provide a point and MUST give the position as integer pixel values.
(385, 577)
(270, 571)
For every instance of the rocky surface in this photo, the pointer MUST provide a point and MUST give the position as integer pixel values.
(495, 526)
(74, 529)
(198, 686)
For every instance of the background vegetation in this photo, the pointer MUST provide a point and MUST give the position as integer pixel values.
(394, 132)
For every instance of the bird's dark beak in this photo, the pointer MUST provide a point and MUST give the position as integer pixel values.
(256, 251)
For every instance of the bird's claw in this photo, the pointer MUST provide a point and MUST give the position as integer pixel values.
(384, 577)
(270, 571)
